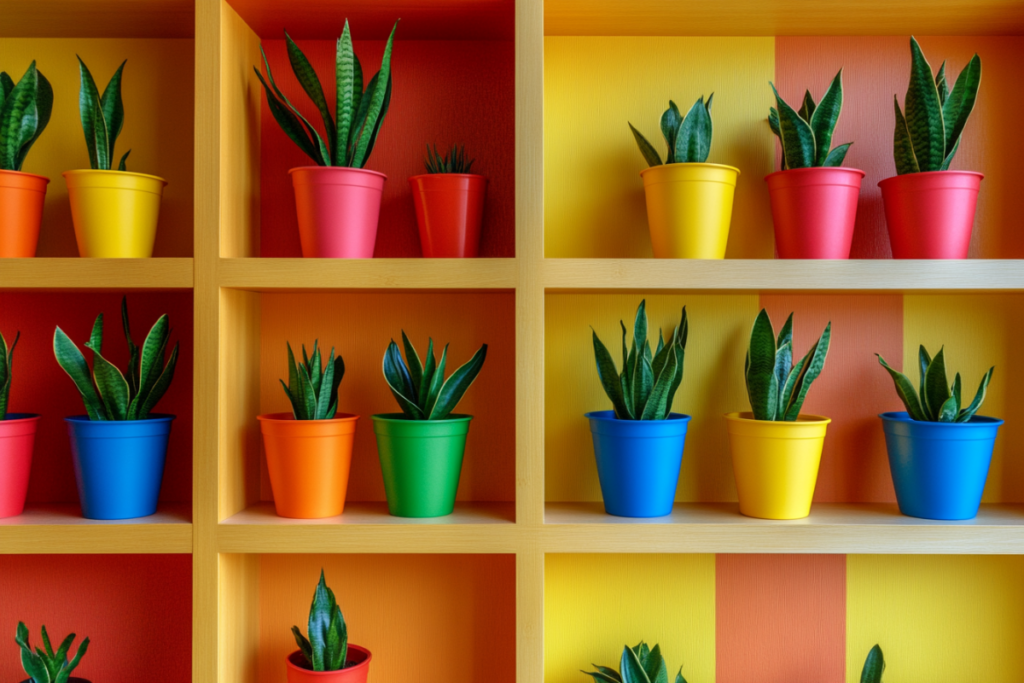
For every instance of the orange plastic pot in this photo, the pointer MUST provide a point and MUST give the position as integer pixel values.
(21, 212)
(449, 211)
(308, 461)
(357, 668)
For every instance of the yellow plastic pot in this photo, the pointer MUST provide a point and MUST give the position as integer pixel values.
(776, 464)
(115, 213)
(689, 208)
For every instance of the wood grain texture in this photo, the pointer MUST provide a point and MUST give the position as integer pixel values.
(445, 92)
(84, 274)
(593, 195)
(404, 608)
(780, 618)
(239, 402)
(61, 529)
(159, 96)
(238, 613)
(98, 19)
(948, 618)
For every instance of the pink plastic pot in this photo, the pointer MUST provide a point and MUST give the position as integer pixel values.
(814, 210)
(17, 437)
(930, 215)
(338, 209)
(357, 671)
(449, 211)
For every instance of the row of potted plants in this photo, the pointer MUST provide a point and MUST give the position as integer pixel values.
(939, 448)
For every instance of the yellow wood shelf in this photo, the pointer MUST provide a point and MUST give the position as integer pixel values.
(84, 274)
(61, 529)
(298, 274)
(98, 19)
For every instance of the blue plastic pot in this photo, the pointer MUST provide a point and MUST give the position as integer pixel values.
(119, 465)
(939, 468)
(638, 462)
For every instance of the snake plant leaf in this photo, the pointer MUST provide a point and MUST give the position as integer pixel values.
(762, 384)
(807, 107)
(601, 677)
(95, 342)
(643, 384)
(643, 651)
(693, 141)
(630, 668)
(293, 372)
(93, 123)
(640, 325)
(786, 335)
(783, 371)
(874, 665)
(310, 83)
(811, 366)
(670, 122)
(936, 386)
(941, 85)
(679, 676)
(303, 643)
(656, 405)
(25, 111)
(6, 363)
(905, 390)
(960, 103)
(323, 154)
(773, 123)
(324, 397)
(903, 150)
(336, 647)
(112, 106)
(949, 157)
(655, 667)
(651, 155)
(456, 386)
(797, 135)
(123, 164)
(315, 367)
(948, 410)
(837, 156)
(33, 665)
(112, 385)
(967, 413)
(427, 376)
(825, 117)
(46, 642)
(379, 122)
(152, 358)
(346, 94)
(375, 112)
(293, 399)
(957, 391)
(65, 673)
(288, 122)
(307, 396)
(320, 613)
(6, 86)
(924, 359)
(73, 362)
(707, 103)
(436, 383)
(924, 113)
(397, 376)
(133, 350)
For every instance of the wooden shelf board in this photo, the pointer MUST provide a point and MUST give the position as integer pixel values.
(299, 274)
(98, 19)
(61, 529)
(978, 275)
(84, 274)
(831, 528)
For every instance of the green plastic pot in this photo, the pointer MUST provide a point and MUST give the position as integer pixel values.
(421, 461)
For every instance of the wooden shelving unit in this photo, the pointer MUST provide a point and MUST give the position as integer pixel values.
(79, 274)
(61, 529)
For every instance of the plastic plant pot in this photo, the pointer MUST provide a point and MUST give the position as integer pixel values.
(70, 680)
(449, 211)
(119, 465)
(308, 462)
(776, 464)
(689, 209)
(17, 437)
(338, 209)
(930, 215)
(638, 462)
(939, 469)
(356, 671)
(115, 212)
(421, 461)
(814, 211)
(21, 212)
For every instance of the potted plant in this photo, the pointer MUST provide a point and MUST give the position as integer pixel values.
(939, 452)
(24, 112)
(639, 444)
(929, 209)
(689, 201)
(775, 449)
(119, 446)
(309, 450)
(449, 204)
(115, 212)
(326, 655)
(814, 197)
(338, 201)
(47, 666)
(639, 664)
(17, 437)
(874, 665)
(421, 448)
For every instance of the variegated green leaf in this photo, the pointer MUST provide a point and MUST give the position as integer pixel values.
(949, 157)
(397, 376)
(24, 113)
(762, 384)
(924, 113)
(693, 141)
(112, 106)
(93, 123)
(936, 386)
(941, 85)
(346, 94)
(837, 156)
(73, 362)
(967, 413)
(924, 359)
(456, 386)
(905, 390)
(903, 149)
(370, 125)
(874, 665)
(291, 119)
(630, 668)
(959, 105)
(797, 135)
(825, 117)
(609, 377)
(310, 83)
(670, 121)
(948, 410)
(112, 386)
(651, 155)
(807, 107)
(810, 368)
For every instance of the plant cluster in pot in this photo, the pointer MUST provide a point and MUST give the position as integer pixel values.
(115, 212)
(638, 664)
(449, 203)
(17, 438)
(776, 450)
(939, 451)
(45, 665)
(309, 451)
(814, 197)
(337, 200)
(639, 444)
(689, 201)
(324, 653)
(929, 209)
(119, 446)
(24, 112)
(421, 449)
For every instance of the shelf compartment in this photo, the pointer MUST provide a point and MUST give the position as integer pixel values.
(95, 274)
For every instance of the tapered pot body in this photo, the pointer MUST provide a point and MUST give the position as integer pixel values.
(21, 212)
(814, 211)
(115, 212)
(338, 210)
(449, 212)
(930, 215)
(689, 209)
(357, 669)
(17, 438)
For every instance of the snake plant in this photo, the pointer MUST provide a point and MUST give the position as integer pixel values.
(358, 113)
(874, 665)
(648, 382)
(45, 665)
(688, 137)
(326, 648)
(313, 389)
(24, 112)
(108, 393)
(935, 400)
(6, 361)
(452, 162)
(806, 135)
(927, 138)
(102, 117)
(420, 387)
(777, 388)
(639, 664)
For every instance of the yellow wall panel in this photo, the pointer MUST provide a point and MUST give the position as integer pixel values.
(937, 618)
(712, 384)
(593, 194)
(595, 604)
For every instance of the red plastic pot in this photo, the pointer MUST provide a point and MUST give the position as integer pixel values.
(449, 211)
(338, 209)
(930, 215)
(21, 212)
(17, 437)
(357, 670)
(814, 210)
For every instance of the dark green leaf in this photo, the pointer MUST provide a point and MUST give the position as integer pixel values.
(133, 350)
(601, 677)
(71, 360)
(325, 398)
(303, 643)
(807, 107)
(93, 122)
(320, 613)
(924, 113)
(967, 413)
(812, 365)
(796, 134)
(670, 121)
(290, 123)
(310, 83)
(826, 116)
(948, 410)
(609, 377)
(415, 364)
(655, 667)
(630, 668)
(112, 386)
(34, 118)
(762, 384)
(651, 155)
(874, 665)
(905, 390)
(960, 103)
(949, 157)
(397, 376)
(6, 86)
(956, 391)
(783, 370)
(376, 110)
(123, 164)
(436, 383)
(903, 150)
(693, 141)
(160, 387)
(837, 156)
(347, 93)
(455, 386)
(923, 361)
(656, 407)
(378, 123)
(936, 387)
(112, 107)
(941, 85)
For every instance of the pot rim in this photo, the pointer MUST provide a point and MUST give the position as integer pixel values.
(390, 417)
(602, 415)
(351, 646)
(336, 168)
(276, 417)
(901, 416)
(802, 418)
(703, 164)
(153, 417)
(86, 171)
(981, 176)
(801, 171)
(25, 173)
(447, 175)
(25, 417)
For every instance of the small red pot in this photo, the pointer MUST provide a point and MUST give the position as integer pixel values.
(356, 671)
(17, 437)
(814, 211)
(449, 211)
(930, 215)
